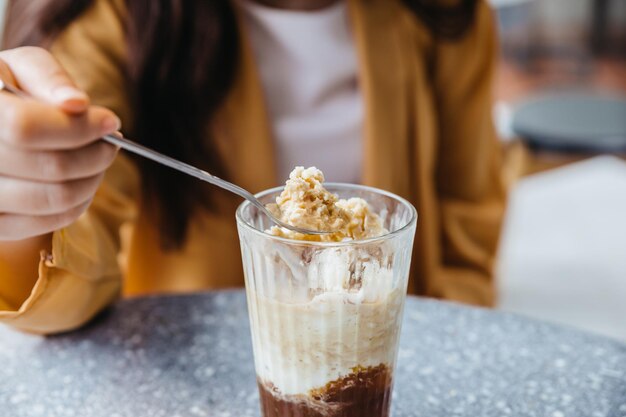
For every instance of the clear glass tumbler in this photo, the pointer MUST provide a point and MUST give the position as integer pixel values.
(325, 317)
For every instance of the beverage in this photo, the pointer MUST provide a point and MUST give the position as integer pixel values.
(325, 316)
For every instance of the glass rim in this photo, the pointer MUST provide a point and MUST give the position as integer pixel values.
(412, 221)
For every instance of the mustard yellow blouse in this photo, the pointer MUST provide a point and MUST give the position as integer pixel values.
(428, 137)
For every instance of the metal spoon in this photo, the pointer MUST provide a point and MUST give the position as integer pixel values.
(141, 150)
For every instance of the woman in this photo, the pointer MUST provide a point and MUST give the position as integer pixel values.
(391, 93)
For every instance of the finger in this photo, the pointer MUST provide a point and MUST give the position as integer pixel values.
(39, 74)
(56, 166)
(34, 125)
(41, 199)
(15, 227)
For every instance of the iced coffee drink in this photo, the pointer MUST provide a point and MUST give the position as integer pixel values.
(325, 310)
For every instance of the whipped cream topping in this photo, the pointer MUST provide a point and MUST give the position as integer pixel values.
(306, 203)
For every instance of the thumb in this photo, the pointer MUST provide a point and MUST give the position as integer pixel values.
(38, 73)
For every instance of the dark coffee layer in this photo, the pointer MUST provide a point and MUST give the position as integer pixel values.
(366, 392)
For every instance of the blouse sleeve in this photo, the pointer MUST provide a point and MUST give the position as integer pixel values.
(82, 275)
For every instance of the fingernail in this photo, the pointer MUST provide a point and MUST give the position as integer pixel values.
(110, 124)
(66, 93)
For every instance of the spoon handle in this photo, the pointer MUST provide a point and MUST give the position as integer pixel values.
(155, 156)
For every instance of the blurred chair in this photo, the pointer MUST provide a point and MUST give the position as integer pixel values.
(600, 36)
(514, 21)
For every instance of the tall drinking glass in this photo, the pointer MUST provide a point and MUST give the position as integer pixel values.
(325, 317)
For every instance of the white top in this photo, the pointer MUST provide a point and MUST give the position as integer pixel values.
(308, 68)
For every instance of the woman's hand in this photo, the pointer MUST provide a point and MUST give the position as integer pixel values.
(51, 161)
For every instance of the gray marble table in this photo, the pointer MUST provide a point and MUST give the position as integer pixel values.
(187, 356)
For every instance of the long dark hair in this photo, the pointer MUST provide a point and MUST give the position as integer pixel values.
(182, 64)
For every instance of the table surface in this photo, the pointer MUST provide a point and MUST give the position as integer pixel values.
(180, 356)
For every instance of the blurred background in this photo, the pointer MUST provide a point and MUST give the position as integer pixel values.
(560, 110)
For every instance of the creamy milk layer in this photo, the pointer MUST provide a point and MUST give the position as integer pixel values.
(301, 347)
(317, 312)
